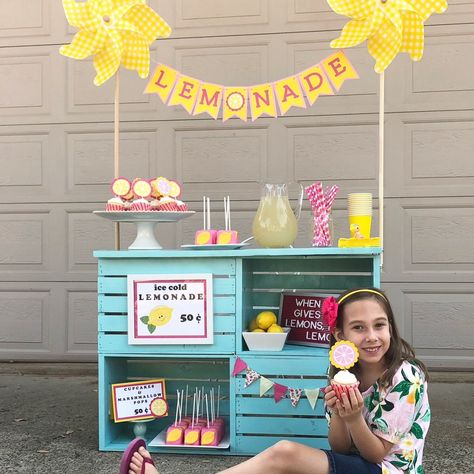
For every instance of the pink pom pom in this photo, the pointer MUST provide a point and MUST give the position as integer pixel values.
(330, 307)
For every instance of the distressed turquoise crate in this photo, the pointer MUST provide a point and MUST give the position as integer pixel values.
(112, 303)
(261, 422)
(178, 373)
(245, 282)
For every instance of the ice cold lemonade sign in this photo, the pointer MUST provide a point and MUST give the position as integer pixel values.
(170, 309)
(302, 313)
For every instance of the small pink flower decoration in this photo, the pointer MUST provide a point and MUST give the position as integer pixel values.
(330, 307)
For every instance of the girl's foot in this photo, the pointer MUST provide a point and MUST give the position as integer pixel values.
(142, 459)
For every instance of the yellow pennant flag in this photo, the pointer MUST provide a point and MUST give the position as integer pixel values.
(185, 93)
(339, 69)
(289, 94)
(315, 83)
(235, 103)
(262, 101)
(209, 99)
(162, 82)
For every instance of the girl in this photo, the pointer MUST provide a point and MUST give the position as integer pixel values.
(380, 426)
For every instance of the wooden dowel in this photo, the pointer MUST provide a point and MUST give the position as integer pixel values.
(117, 146)
(381, 159)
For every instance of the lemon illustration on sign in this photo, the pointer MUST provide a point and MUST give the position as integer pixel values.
(158, 407)
(253, 324)
(159, 316)
(265, 319)
(275, 328)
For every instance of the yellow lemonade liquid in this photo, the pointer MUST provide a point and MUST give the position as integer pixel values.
(275, 223)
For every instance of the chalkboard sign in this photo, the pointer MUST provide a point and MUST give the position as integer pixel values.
(301, 312)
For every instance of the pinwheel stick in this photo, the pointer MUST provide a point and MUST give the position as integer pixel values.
(117, 146)
(381, 158)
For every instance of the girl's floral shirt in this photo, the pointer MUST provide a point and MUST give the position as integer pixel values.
(401, 415)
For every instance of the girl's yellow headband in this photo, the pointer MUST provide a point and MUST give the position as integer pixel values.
(331, 306)
(362, 290)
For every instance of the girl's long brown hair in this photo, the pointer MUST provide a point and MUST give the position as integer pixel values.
(398, 351)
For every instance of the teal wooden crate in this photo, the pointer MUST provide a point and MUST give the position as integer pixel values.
(178, 373)
(261, 422)
(244, 283)
(112, 303)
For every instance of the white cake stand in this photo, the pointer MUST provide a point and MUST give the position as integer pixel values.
(145, 222)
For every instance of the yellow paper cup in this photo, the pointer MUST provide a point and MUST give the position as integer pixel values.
(364, 223)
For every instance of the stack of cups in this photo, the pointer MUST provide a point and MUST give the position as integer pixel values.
(360, 212)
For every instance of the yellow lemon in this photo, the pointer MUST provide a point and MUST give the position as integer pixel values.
(253, 324)
(275, 328)
(265, 319)
(258, 330)
(160, 316)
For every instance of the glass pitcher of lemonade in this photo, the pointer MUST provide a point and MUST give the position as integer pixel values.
(276, 224)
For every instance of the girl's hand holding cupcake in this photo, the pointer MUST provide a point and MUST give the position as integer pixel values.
(349, 406)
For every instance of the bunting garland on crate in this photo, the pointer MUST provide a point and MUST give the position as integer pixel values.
(295, 395)
(250, 377)
(279, 390)
(312, 395)
(265, 385)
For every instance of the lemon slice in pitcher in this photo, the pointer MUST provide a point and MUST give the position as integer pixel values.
(159, 407)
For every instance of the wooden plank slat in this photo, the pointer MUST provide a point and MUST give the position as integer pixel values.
(281, 426)
(118, 285)
(118, 344)
(119, 323)
(119, 304)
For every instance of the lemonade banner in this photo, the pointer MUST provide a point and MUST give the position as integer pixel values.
(272, 99)
(279, 390)
(170, 309)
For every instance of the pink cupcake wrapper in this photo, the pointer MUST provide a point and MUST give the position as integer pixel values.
(183, 207)
(340, 389)
(140, 207)
(168, 207)
(114, 207)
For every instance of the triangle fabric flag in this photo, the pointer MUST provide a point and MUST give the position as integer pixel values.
(295, 395)
(251, 376)
(279, 391)
(265, 385)
(238, 366)
(312, 394)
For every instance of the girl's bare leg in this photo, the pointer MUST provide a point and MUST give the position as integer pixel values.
(285, 457)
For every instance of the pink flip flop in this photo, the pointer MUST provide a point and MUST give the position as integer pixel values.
(127, 456)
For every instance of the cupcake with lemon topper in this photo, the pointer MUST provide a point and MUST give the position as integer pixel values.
(343, 355)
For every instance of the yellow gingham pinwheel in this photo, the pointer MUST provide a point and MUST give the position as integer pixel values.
(390, 26)
(115, 32)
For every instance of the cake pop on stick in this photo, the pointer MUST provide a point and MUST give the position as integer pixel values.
(227, 236)
(175, 433)
(192, 434)
(206, 235)
(209, 434)
(186, 417)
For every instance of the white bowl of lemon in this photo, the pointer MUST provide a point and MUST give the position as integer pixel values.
(264, 334)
